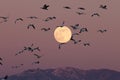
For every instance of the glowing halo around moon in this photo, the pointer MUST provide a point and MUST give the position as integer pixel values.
(62, 34)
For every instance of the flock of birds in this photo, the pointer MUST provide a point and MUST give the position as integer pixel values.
(32, 49)
(81, 30)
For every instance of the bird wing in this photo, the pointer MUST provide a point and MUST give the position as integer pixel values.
(81, 30)
(81, 8)
(0, 58)
(67, 7)
(1, 64)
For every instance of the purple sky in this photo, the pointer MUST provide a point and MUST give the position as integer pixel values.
(104, 51)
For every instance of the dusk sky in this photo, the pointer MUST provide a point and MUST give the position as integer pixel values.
(104, 49)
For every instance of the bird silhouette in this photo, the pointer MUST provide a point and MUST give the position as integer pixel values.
(26, 48)
(103, 6)
(45, 7)
(37, 48)
(72, 38)
(75, 27)
(75, 42)
(38, 56)
(46, 20)
(37, 62)
(67, 7)
(95, 14)
(80, 13)
(33, 17)
(83, 30)
(45, 29)
(18, 19)
(86, 44)
(1, 59)
(62, 24)
(59, 46)
(1, 63)
(19, 52)
(50, 18)
(81, 8)
(31, 25)
(5, 19)
(102, 31)
(32, 45)
(30, 49)
(54, 17)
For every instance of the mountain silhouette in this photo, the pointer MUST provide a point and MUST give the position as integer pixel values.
(67, 73)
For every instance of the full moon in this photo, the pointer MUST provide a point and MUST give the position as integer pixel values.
(62, 34)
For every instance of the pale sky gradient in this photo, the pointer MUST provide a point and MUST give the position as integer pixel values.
(104, 51)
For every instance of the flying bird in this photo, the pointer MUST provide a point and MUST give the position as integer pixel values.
(81, 8)
(5, 19)
(83, 30)
(45, 7)
(75, 27)
(59, 47)
(102, 31)
(86, 44)
(38, 56)
(19, 52)
(1, 63)
(67, 7)
(72, 38)
(31, 25)
(95, 14)
(75, 42)
(1, 59)
(45, 29)
(62, 24)
(33, 17)
(28, 48)
(80, 13)
(103, 6)
(54, 17)
(18, 19)
(50, 18)
(37, 48)
(31, 48)
(37, 62)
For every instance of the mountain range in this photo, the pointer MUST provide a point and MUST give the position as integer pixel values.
(66, 73)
